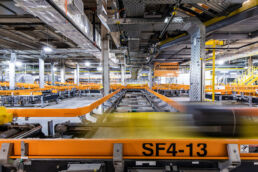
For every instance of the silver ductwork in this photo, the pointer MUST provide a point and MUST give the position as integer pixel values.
(72, 23)
(248, 52)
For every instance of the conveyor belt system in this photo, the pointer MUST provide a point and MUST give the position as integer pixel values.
(140, 131)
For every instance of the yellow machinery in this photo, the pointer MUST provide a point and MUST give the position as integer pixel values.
(5, 117)
(249, 77)
(213, 44)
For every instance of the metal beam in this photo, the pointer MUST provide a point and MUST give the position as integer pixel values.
(141, 21)
(41, 73)
(9, 19)
(15, 37)
(12, 71)
(228, 36)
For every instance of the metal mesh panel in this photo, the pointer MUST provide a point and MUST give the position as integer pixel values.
(134, 8)
(196, 78)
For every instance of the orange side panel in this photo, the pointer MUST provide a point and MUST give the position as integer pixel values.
(132, 148)
(169, 101)
(60, 112)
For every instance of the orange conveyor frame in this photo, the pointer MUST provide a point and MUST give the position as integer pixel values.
(132, 148)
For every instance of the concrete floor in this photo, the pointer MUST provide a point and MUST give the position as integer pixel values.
(74, 102)
(181, 99)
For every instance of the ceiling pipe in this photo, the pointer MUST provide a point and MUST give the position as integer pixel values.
(53, 13)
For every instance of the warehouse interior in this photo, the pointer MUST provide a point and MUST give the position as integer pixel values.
(128, 85)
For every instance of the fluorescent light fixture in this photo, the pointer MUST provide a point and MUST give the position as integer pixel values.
(18, 63)
(47, 49)
(55, 69)
(166, 20)
(175, 20)
(220, 62)
(246, 67)
(99, 68)
(87, 64)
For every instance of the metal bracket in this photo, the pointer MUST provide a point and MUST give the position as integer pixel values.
(24, 150)
(118, 157)
(24, 157)
(83, 167)
(5, 152)
(234, 158)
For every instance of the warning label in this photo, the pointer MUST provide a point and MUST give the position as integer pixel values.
(248, 148)
(244, 148)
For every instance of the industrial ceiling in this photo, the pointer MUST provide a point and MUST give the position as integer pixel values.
(140, 29)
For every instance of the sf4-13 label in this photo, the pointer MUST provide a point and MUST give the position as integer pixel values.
(171, 149)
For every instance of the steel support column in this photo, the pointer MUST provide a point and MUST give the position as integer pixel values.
(197, 65)
(150, 77)
(41, 72)
(105, 63)
(62, 72)
(52, 74)
(250, 63)
(105, 60)
(77, 73)
(12, 71)
(123, 74)
(75, 76)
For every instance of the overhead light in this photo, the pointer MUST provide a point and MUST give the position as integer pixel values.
(18, 63)
(87, 64)
(55, 69)
(246, 67)
(175, 20)
(99, 68)
(47, 49)
(166, 20)
(220, 62)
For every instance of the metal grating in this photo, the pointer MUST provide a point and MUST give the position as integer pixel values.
(196, 73)
(134, 8)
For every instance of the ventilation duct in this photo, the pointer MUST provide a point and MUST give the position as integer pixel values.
(76, 6)
(74, 26)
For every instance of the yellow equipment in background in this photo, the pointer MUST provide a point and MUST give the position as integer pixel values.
(213, 43)
(5, 117)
